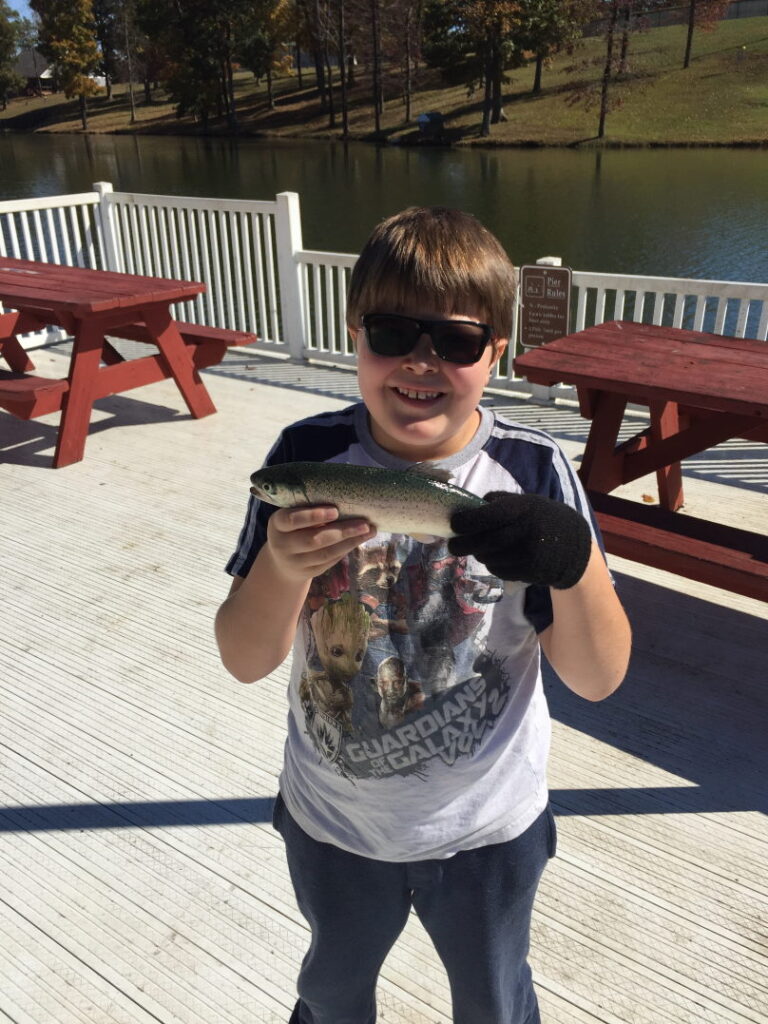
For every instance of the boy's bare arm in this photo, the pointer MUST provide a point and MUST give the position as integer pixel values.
(589, 641)
(256, 624)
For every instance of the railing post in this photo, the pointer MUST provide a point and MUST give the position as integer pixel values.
(289, 242)
(542, 393)
(111, 256)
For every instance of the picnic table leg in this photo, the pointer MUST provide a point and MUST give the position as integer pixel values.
(77, 401)
(164, 332)
(11, 348)
(600, 465)
(665, 422)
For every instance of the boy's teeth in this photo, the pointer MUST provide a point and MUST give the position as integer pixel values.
(418, 394)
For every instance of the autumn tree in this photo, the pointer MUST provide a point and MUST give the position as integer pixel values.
(703, 14)
(67, 38)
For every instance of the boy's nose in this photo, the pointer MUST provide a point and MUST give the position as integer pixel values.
(422, 352)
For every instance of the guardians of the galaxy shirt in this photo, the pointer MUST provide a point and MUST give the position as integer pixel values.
(417, 722)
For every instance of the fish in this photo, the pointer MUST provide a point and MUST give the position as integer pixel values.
(418, 501)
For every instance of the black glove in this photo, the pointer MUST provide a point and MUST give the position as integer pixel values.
(525, 537)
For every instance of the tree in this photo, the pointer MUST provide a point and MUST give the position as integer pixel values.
(476, 41)
(197, 39)
(704, 14)
(67, 38)
(106, 18)
(263, 36)
(550, 26)
(10, 34)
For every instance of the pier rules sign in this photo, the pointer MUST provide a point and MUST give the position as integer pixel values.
(545, 303)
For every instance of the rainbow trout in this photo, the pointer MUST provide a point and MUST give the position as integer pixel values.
(396, 501)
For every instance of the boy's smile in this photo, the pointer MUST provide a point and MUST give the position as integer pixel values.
(420, 406)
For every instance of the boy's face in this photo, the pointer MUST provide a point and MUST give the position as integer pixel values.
(422, 407)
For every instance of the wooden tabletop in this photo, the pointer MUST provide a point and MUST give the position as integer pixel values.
(28, 284)
(646, 362)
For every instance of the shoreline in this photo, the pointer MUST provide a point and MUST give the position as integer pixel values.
(400, 142)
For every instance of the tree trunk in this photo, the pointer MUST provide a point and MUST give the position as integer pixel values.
(298, 63)
(537, 75)
(84, 111)
(689, 38)
(623, 65)
(376, 76)
(408, 66)
(342, 75)
(607, 70)
(270, 94)
(331, 107)
(129, 61)
(497, 112)
(485, 127)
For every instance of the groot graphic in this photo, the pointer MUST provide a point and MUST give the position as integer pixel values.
(340, 629)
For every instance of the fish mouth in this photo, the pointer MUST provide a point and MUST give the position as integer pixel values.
(419, 395)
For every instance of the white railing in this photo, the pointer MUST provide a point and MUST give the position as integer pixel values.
(55, 229)
(260, 278)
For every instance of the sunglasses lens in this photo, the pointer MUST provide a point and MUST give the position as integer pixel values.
(453, 341)
(460, 343)
(390, 336)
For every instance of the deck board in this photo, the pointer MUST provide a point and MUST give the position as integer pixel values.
(142, 879)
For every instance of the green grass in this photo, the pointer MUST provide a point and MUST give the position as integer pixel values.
(721, 99)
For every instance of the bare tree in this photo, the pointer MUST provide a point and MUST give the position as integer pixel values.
(704, 14)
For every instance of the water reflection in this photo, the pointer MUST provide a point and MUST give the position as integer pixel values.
(682, 213)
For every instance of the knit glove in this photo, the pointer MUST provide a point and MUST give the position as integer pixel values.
(524, 537)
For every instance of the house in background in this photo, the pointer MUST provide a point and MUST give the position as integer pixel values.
(37, 73)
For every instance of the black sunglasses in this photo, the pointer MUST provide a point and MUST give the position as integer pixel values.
(455, 341)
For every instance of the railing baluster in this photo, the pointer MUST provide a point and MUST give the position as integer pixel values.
(28, 244)
(741, 323)
(258, 267)
(269, 249)
(251, 314)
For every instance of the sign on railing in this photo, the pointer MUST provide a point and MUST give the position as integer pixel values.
(545, 304)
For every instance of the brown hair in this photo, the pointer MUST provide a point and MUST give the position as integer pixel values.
(435, 256)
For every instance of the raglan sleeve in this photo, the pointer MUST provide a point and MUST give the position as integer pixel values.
(254, 532)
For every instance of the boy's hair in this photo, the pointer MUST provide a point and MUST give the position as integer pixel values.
(436, 257)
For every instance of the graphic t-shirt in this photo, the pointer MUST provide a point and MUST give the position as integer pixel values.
(417, 722)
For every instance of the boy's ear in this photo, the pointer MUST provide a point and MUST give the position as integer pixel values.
(353, 333)
(499, 347)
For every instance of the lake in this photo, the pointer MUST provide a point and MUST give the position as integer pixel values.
(673, 212)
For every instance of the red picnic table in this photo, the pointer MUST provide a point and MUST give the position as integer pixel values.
(90, 305)
(700, 389)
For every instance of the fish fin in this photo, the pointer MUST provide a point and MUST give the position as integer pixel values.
(430, 470)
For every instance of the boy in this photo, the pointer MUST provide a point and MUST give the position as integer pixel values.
(418, 733)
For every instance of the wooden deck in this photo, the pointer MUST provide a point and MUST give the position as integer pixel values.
(141, 880)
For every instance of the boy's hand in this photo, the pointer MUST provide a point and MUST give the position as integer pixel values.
(306, 541)
(525, 537)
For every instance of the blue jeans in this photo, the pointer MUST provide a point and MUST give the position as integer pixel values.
(475, 906)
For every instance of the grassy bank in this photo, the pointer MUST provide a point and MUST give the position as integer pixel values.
(721, 99)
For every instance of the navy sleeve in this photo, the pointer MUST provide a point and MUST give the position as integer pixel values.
(254, 532)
